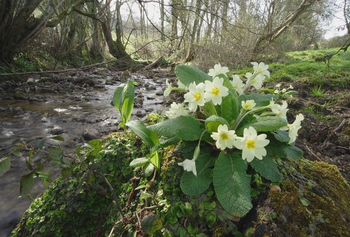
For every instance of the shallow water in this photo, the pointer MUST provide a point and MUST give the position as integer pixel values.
(69, 116)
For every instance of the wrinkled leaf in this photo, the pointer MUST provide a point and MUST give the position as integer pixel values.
(212, 123)
(281, 136)
(229, 108)
(267, 168)
(149, 170)
(292, 152)
(184, 127)
(192, 185)
(232, 184)
(265, 124)
(260, 99)
(187, 74)
(147, 135)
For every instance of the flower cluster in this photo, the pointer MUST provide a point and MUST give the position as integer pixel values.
(208, 95)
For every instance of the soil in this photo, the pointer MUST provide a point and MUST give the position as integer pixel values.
(325, 132)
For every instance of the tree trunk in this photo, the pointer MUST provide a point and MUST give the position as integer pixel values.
(264, 40)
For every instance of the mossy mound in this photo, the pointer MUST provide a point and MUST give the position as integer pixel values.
(314, 200)
(104, 196)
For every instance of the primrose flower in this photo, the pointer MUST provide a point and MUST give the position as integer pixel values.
(248, 104)
(254, 80)
(189, 165)
(294, 128)
(237, 84)
(261, 69)
(195, 96)
(217, 70)
(279, 110)
(168, 89)
(215, 90)
(252, 144)
(224, 138)
(176, 110)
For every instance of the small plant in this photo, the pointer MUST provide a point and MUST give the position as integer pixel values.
(221, 129)
(317, 91)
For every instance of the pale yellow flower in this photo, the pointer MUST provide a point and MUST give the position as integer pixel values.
(195, 96)
(224, 138)
(294, 128)
(177, 110)
(215, 90)
(189, 165)
(217, 70)
(252, 144)
(248, 104)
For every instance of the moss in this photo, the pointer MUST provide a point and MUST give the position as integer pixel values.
(314, 201)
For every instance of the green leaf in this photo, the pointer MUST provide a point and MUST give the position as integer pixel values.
(230, 108)
(147, 135)
(123, 100)
(281, 136)
(187, 74)
(57, 138)
(192, 185)
(260, 99)
(232, 184)
(139, 162)
(184, 127)
(151, 224)
(155, 160)
(292, 152)
(149, 169)
(118, 97)
(5, 165)
(55, 155)
(267, 168)
(212, 123)
(265, 124)
(26, 184)
(128, 101)
(96, 146)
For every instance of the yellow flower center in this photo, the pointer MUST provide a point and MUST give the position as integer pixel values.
(250, 144)
(197, 96)
(224, 136)
(215, 91)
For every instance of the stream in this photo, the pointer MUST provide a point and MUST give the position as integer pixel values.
(76, 107)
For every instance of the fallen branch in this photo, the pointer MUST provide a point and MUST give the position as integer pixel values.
(325, 143)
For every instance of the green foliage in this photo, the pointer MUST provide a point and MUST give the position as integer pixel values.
(123, 100)
(232, 184)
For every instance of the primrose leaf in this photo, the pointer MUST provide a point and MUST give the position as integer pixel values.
(147, 135)
(26, 184)
(230, 108)
(259, 99)
(265, 124)
(184, 127)
(267, 168)
(281, 136)
(212, 123)
(187, 74)
(232, 184)
(5, 165)
(192, 185)
(292, 152)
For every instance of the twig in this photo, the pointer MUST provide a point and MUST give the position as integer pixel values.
(312, 153)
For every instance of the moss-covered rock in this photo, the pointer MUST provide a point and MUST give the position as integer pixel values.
(314, 201)
(105, 196)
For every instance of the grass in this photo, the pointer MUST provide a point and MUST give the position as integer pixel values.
(316, 91)
(307, 66)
